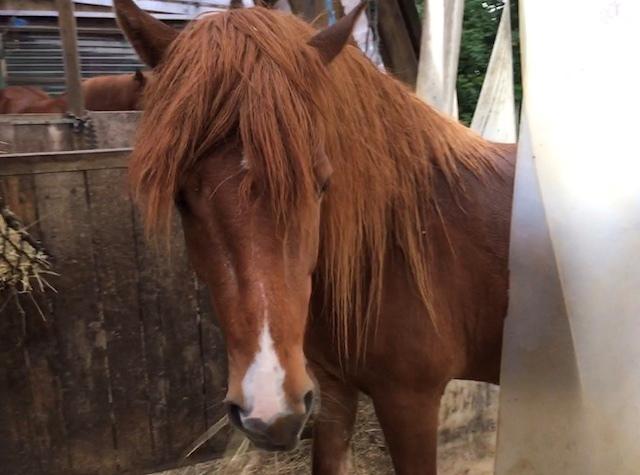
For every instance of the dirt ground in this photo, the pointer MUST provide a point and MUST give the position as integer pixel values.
(468, 420)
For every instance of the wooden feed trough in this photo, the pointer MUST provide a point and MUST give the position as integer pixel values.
(123, 372)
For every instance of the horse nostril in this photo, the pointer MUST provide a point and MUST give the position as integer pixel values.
(234, 414)
(308, 401)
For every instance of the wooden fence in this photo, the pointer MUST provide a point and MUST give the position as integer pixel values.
(126, 367)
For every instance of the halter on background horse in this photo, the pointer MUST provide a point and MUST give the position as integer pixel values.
(390, 281)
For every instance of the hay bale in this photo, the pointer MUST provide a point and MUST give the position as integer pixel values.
(24, 264)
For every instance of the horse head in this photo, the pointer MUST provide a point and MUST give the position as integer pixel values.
(231, 140)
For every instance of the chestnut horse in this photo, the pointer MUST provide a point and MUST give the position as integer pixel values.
(28, 99)
(352, 238)
(118, 92)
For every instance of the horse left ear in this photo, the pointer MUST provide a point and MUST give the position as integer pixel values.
(330, 41)
(148, 36)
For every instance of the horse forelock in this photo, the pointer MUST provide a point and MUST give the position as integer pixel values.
(248, 75)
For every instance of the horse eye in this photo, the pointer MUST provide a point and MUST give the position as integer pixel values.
(181, 202)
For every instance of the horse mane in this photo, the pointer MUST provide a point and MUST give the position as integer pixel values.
(249, 75)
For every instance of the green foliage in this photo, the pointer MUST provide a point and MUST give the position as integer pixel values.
(481, 20)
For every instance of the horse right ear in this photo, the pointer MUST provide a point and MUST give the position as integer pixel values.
(149, 37)
(330, 41)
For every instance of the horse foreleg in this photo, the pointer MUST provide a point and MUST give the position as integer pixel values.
(409, 422)
(333, 426)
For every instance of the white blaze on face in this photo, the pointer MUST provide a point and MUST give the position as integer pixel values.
(262, 385)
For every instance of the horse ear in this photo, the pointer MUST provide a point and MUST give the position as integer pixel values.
(330, 41)
(148, 36)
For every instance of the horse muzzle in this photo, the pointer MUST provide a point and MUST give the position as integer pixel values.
(279, 433)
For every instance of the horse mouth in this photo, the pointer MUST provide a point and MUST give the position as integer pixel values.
(258, 440)
(267, 446)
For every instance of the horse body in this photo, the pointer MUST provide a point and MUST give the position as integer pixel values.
(118, 92)
(27, 99)
(409, 361)
(393, 279)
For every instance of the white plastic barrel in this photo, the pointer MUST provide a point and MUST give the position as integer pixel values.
(570, 397)
(494, 117)
(439, 52)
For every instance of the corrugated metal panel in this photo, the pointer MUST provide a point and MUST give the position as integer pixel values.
(35, 57)
(33, 51)
(177, 7)
(84, 15)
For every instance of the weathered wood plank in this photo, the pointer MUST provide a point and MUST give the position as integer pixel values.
(19, 195)
(114, 129)
(50, 433)
(38, 133)
(113, 234)
(412, 22)
(172, 339)
(215, 368)
(398, 51)
(154, 342)
(82, 366)
(185, 399)
(16, 427)
(48, 436)
(124, 312)
(55, 162)
(34, 119)
(7, 138)
(46, 138)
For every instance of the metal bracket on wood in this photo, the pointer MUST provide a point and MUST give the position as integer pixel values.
(84, 125)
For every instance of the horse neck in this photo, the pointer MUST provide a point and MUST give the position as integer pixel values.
(108, 93)
(479, 205)
(95, 94)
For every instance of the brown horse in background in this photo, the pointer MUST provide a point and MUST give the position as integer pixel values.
(26, 99)
(352, 238)
(119, 92)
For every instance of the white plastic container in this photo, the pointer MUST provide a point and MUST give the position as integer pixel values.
(570, 398)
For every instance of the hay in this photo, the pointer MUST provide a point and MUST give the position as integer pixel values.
(23, 263)
(369, 453)
(468, 451)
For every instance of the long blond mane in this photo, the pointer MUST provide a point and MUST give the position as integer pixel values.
(249, 75)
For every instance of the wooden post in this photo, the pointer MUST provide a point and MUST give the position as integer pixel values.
(3, 65)
(67, 24)
(398, 50)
